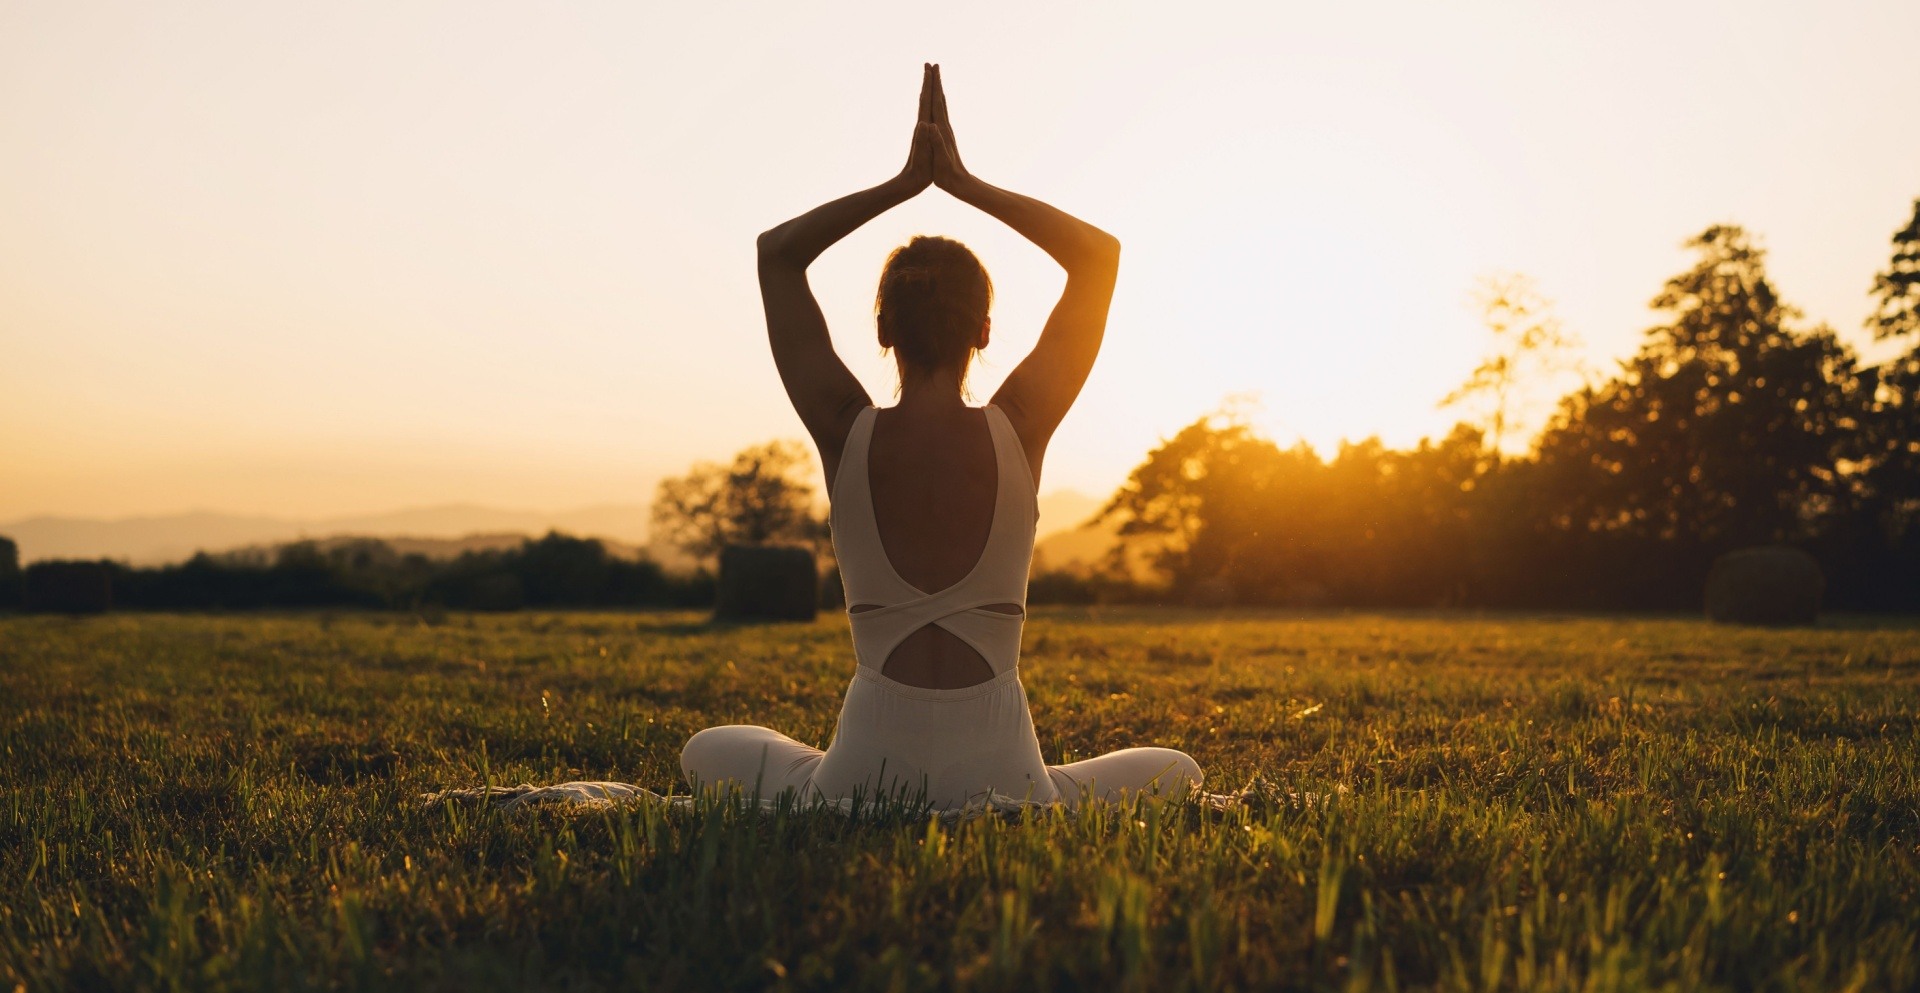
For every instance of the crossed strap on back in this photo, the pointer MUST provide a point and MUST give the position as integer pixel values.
(898, 608)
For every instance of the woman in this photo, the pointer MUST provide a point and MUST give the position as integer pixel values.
(933, 495)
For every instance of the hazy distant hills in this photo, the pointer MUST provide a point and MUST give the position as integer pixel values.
(1062, 510)
(1063, 543)
(167, 538)
(174, 537)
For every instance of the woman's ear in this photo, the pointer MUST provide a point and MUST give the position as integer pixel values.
(986, 332)
(886, 340)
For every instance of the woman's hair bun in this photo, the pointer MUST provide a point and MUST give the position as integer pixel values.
(933, 300)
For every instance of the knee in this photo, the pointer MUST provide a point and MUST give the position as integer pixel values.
(1181, 773)
(698, 758)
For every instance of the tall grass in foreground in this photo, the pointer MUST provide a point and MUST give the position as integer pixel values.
(1529, 803)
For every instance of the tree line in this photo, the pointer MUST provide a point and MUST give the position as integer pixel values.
(1733, 425)
(553, 571)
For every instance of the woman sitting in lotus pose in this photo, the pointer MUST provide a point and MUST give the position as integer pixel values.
(933, 507)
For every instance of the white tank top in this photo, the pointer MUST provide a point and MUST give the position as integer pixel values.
(999, 577)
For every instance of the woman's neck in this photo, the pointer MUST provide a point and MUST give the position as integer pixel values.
(931, 391)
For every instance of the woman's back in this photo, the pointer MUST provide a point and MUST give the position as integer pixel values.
(933, 481)
(933, 497)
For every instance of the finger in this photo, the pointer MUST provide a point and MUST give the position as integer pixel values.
(926, 92)
(939, 100)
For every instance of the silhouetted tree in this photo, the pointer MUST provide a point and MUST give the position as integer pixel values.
(561, 569)
(11, 585)
(1893, 451)
(1528, 344)
(1886, 544)
(1897, 291)
(1724, 430)
(762, 497)
(1220, 512)
(1187, 508)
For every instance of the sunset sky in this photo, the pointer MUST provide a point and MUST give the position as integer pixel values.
(331, 258)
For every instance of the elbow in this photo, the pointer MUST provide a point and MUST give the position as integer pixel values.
(778, 250)
(772, 245)
(1100, 253)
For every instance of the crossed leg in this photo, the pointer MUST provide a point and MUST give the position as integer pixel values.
(760, 761)
(1166, 772)
(763, 762)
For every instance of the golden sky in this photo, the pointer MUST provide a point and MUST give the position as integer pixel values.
(333, 258)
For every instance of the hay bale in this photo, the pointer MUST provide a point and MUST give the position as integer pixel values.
(767, 583)
(69, 587)
(1771, 584)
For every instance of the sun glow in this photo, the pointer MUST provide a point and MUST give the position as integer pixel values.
(356, 258)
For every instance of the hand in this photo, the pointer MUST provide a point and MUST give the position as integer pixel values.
(948, 172)
(920, 169)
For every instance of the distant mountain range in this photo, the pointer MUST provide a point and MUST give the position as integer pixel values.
(175, 537)
(1066, 510)
(157, 540)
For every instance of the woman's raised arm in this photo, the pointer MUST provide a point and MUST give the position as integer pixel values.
(1040, 390)
(823, 392)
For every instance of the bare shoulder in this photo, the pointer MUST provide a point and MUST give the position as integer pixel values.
(1033, 435)
(830, 433)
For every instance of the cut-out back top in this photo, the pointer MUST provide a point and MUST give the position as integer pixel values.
(998, 578)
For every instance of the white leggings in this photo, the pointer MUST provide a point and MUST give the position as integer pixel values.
(955, 745)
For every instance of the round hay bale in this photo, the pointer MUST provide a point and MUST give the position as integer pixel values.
(69, 587)
(1771, 584)
(767, 583)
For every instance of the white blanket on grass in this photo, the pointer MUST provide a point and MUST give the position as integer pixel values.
(595, 795)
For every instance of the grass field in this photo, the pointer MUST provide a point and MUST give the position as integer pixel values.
(1516, 803)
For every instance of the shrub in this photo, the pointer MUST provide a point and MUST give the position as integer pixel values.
(69, 587)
